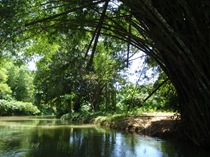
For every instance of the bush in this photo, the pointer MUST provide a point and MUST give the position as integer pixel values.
(9, 108)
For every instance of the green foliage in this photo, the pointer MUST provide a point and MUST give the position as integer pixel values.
(16, 82)
(5, 90)
(129, 97)
(46, 109)
(13, 15)
(165, 98)
(132, 98)
(82, 117)
(20, 80)
(8, 108)
(98, 118)
(65, 73)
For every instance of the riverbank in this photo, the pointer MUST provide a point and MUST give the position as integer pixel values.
(163, 125)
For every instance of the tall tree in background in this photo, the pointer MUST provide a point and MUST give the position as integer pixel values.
(20, 80)
(64, 80)
(5, 90)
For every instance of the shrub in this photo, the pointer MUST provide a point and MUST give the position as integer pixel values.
(8, 108)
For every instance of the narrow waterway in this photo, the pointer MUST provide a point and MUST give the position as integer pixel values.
(48, 137)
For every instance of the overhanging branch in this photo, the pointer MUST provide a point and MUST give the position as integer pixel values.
(166, 80)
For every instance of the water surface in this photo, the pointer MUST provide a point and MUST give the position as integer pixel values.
(47, 137)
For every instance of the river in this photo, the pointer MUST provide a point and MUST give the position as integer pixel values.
(50, 137)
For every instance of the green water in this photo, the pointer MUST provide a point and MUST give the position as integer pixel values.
(47, 137)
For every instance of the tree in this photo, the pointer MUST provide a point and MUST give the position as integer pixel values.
(20, 80)
(59, 75)
(4, 88)
(65, 80)
(12, 19)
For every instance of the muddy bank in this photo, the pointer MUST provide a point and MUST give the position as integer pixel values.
(156, 125)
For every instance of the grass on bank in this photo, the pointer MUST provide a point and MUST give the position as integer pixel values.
(90, 117)
(101, 117)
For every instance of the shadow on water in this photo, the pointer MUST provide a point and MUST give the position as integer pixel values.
(47, 137)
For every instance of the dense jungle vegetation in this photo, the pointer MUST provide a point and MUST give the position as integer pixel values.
(83, 51)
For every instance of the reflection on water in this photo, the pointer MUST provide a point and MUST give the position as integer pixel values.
(41, 137)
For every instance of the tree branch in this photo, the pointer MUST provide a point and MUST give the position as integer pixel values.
(63, 13)
(155, 90)
(98, 32)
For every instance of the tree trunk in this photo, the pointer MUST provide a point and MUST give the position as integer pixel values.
(177, 36)
(107, 97)
(113, 97)
(194, 98)
(77, 104)
(68, 106)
